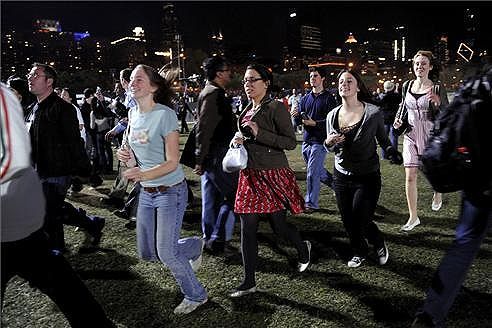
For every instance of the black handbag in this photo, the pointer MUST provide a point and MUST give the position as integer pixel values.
(402, 113)
(433, 109)
(403, 116)
(188, 155)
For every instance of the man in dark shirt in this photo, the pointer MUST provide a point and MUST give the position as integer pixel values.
(311, 112)
(57, 153)
(214, 130)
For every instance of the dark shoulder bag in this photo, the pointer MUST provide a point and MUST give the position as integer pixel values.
(402, 112)
(188, 155)
(433, 109)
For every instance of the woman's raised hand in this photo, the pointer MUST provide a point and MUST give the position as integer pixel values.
(334, 138)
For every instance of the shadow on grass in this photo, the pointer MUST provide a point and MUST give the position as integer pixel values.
(324, 246)
(300, 175)
(388, 309)
(112, 282)
(418, 238)
(91, 200)
(430, 240)
(472, 302)
(261, 300)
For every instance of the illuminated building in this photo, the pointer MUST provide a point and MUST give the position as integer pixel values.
(400, 45)
(129, 51)
(441, 51)
(217, 44)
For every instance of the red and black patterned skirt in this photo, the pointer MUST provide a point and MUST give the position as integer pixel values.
(268, 191)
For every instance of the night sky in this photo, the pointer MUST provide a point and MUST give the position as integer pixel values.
(259, 26)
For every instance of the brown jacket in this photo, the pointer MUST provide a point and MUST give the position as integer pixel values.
(275, 134)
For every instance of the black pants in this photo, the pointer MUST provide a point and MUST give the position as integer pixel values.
(357, 197)
(249, 243)
(104, 153)
(184, 124)
(32, 259)
(59, 212)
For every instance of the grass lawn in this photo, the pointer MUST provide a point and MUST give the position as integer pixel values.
(140, 294)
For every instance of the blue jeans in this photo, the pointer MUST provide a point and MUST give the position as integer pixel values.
(314, 155)
(474, 222)
(393, 137)
(218, 194)
(159, 220)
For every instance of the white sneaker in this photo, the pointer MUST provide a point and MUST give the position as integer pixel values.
(197, 263)
(239, 293)
(301, 267)
(409, 226)
(187, 306)
(355, 262)
(383, 254)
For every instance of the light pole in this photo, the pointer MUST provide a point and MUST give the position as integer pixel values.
(177, 37)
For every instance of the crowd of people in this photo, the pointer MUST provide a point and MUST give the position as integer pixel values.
(66, 145)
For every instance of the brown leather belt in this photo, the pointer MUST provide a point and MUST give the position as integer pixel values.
(156, 189)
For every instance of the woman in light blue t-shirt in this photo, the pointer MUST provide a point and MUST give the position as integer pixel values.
(154, 163)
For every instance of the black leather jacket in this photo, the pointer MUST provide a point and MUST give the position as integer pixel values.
(57, 148)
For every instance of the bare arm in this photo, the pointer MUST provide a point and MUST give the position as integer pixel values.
(172, 159)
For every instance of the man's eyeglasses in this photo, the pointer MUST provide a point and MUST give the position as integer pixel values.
(252, 80)
(33, 76)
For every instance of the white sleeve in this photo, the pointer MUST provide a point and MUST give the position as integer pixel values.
(79, 115)
(15, 143)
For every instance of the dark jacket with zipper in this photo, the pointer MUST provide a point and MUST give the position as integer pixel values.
(361, 157)
(57, 148)
(275, 134)
(215, 127)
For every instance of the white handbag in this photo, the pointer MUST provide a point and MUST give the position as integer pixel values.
(235, 159)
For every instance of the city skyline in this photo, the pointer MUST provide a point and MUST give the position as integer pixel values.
(260, 27)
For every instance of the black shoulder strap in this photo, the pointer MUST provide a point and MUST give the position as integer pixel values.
(401, 111)
(406, 86)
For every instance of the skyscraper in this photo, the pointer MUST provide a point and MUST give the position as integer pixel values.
(169, 27)
(470, 21)
(303, 38)
(377, 46)
(171, 40)
(441, 51)
(400, 43)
